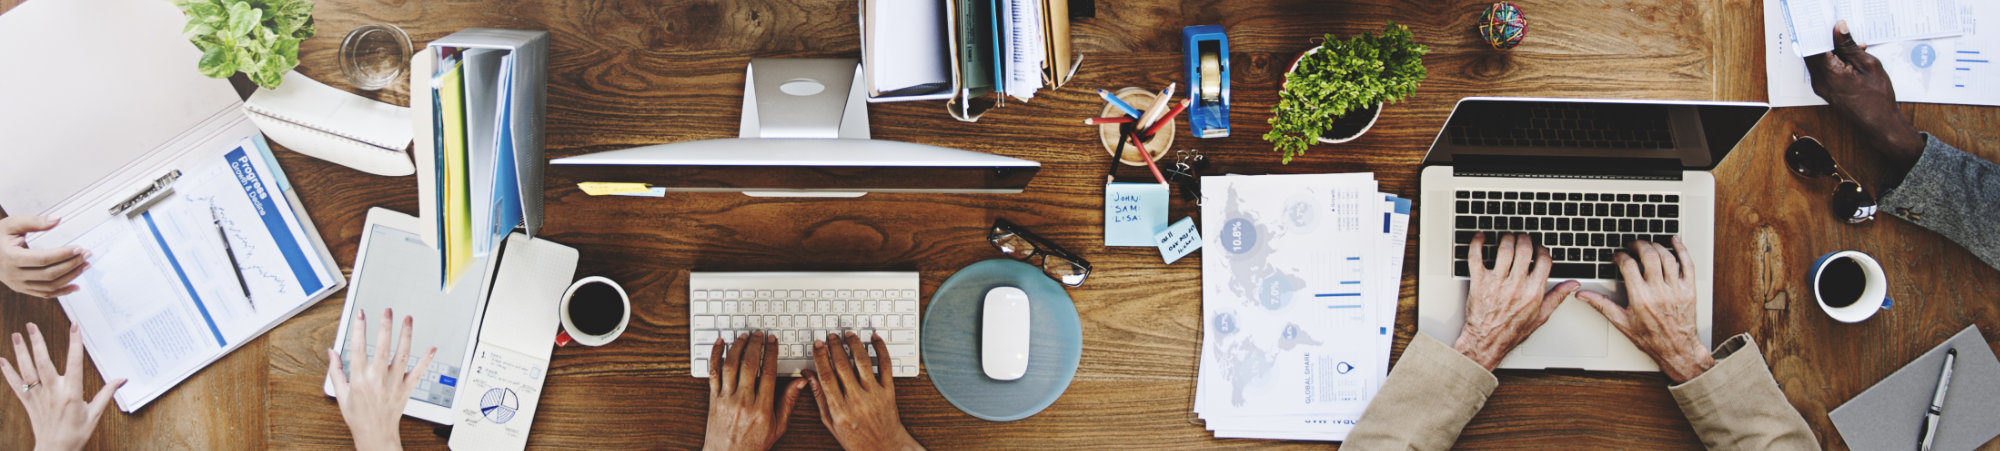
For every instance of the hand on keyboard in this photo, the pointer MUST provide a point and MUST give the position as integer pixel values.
(1661, 291)
(740, 394)
(856, 397)
(1505, 304)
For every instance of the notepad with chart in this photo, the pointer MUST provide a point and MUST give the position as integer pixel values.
(198, 244)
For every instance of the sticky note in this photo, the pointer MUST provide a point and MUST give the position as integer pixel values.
(1133, 212)
(656, 191)
(607, 188)
(1178, 240)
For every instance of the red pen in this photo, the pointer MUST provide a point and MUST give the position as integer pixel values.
(1162, 121)
(1139, 144)
(1107, 120)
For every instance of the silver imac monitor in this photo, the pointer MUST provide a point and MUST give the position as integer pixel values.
(804, 133)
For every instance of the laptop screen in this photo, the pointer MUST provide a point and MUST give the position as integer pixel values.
(1593, 136)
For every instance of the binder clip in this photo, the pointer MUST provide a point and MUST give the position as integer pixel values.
(1207, 49)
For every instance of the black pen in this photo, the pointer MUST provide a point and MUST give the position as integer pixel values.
(1937, 401)
(236, 268)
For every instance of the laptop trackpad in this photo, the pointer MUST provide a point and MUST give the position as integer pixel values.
(1574, 330)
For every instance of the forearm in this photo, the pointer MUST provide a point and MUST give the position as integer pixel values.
(1952, 193)
(1738, 405)
(1429, 397)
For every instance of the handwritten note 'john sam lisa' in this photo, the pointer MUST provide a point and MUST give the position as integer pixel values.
(1133, 212)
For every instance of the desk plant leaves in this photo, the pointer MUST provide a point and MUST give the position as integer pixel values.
(257, 37)
(1344, 75)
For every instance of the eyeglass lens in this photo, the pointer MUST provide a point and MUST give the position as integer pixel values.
(1013, 245)
(1852, 203)
(1808, 158)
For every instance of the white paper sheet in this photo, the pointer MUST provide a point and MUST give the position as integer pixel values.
(1871, 21)
(909, 44)
(1950, 70)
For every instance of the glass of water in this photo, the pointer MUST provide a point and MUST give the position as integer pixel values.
(374, 55)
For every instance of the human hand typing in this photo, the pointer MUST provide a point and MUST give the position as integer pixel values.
(1505, 304)
(57, 411)
(373, 393)
(857, 398)
(42, 273)
(1660, 289)
(1853, 82)
(741, 384)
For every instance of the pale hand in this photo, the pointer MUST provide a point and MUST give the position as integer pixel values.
(1661, 320)
(857, 398)
(1505, 304)
(57, 411)
(742, 387)
(372, 393)
(42, 273)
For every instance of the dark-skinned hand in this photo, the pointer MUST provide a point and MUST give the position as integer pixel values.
(857, 398)
(742, 390)
(1853, 82)
(1506, 304)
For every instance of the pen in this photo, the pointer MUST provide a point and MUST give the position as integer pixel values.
(1107, 120)
(1129, 110)
(1137, 144)
(1937, 401)
(1163, 120)
(235, 267)
(1159, 106)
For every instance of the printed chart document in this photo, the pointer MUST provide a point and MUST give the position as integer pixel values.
(1956, 70)
(497, 397)
(1871, 21)
(163, 297)
(1293, 343)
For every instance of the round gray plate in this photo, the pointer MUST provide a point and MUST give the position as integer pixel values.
(951, 341)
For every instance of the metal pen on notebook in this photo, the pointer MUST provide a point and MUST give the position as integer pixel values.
(1931, 416)
(235, 268)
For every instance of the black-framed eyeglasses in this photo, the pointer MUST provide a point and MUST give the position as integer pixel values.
(1018, 243)
(1808, 158)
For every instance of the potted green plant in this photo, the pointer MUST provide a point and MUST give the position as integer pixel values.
(259, 38)
(1334, 92)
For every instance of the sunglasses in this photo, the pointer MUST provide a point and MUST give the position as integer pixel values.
(1806, 157)
(1021, 245)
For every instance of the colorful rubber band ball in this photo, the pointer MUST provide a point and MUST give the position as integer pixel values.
(1503, 26)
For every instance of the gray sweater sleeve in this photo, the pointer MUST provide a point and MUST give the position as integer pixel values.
(1954, 194)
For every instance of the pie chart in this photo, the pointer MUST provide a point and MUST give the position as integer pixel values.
(498, 405)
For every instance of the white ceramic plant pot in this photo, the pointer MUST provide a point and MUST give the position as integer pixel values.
(1375, 113)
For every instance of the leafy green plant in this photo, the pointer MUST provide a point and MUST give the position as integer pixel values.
(1344, 75)
(257, 37)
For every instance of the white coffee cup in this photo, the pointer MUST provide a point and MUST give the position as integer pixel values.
(570, 330)
(1874, 288)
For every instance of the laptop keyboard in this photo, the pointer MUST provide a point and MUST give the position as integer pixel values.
(1573, 125)
(1581, 230)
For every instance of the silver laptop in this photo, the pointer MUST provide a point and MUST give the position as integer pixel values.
(1584, 177)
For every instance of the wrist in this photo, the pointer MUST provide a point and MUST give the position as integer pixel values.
(378, 442)
(1689, 365)
(1472, 349)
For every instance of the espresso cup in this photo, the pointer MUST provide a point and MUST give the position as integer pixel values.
(594, 311)
(1849, 285)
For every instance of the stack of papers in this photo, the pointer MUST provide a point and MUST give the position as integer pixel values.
(480, 191)
(1931, 49)
(1299, 290)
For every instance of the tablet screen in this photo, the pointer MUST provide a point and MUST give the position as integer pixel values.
(398, 270)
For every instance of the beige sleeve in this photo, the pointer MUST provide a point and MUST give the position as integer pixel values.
(1737, 404)
(1430, 395)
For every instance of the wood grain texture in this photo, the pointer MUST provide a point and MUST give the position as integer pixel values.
(632, 72)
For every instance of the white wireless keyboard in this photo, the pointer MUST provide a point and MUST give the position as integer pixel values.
(798, 307)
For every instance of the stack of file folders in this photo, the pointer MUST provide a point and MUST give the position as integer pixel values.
(1299, 290)
(480, 173)
(972, 53)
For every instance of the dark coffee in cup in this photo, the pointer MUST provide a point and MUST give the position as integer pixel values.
(1841, 283)
(597, 308)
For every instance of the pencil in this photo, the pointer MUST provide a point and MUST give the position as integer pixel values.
(1169, 117)
(1159, 107)
(1138, 144)
(1107, 120)
(1129, 110)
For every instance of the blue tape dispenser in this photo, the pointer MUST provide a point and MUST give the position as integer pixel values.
(1207, 49)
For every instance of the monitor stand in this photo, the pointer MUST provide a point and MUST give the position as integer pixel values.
(804, 98)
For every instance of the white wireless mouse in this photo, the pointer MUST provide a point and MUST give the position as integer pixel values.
(1003, 334)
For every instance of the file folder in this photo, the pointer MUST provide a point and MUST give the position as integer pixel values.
(482, 176)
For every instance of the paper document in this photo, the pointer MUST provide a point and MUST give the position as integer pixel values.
(163, 296)
(1292, 343)
(908, 43)
(1871, 21)
(1021, 43)
(1949, 70)
(497, 397)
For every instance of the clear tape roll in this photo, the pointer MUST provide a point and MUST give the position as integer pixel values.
(1211, 77)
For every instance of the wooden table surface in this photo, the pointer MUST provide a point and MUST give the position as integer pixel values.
(635, 72)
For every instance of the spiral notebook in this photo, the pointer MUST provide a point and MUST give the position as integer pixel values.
(312, 118)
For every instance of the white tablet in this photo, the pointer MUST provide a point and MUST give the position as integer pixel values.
(396, 269)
